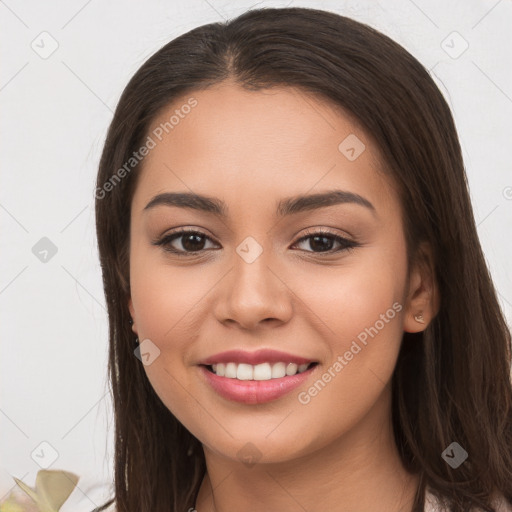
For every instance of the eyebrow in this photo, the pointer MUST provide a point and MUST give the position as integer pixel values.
(285, 207)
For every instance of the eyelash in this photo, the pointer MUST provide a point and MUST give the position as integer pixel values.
(164, 242)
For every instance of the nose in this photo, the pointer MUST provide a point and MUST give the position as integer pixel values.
(253, 294)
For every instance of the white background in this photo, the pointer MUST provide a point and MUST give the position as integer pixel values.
(55, 113)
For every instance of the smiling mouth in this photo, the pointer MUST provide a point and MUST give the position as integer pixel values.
(258, 372)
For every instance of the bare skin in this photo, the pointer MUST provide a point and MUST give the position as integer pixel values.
(334, 450)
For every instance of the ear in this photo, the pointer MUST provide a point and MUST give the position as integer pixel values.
(132, 314)
(422, 299)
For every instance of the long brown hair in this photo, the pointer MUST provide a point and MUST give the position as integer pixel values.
(452, 381)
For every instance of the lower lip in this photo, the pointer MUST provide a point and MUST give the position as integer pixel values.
(255, 391)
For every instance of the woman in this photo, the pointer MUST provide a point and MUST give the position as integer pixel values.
(300, 313)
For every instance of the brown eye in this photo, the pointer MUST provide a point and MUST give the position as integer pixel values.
(190, 242)
(324, 241)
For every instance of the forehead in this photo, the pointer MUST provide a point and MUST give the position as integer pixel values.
(258, 145)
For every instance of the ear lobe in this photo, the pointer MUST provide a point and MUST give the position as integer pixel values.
(422, 302)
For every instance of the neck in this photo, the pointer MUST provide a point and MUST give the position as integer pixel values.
(358, 471)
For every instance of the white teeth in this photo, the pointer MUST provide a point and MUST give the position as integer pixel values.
(278, 370)
(263, 371)
(291, 369)
(244, 372)
(230, 371)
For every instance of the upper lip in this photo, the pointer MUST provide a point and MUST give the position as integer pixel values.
(253, 358)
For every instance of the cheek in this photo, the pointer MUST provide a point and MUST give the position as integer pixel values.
(360, 306)
(364, 336)
(357, 298)
(169, 310)
(164, 297)
(368, 306)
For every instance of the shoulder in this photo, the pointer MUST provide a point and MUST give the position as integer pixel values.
(110, 508)
(433, 504)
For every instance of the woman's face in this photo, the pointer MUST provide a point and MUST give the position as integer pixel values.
(260, 280)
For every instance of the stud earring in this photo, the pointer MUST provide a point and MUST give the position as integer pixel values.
(419, 318)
